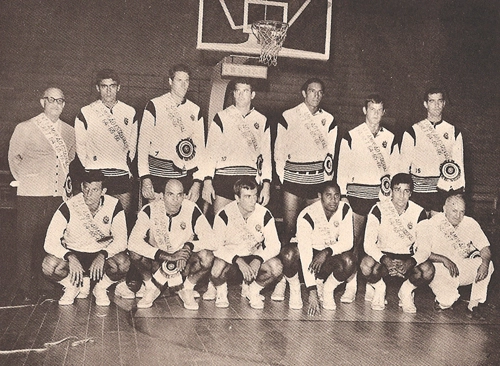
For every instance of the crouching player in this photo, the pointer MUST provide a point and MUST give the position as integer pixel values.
(248, 242)
(390, 247)
(86, 240)
(325, 237)
(171, 239)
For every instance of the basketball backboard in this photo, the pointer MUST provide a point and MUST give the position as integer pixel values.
(225, 25)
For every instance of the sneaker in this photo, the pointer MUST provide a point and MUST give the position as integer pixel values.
(84, 289)
(122, 290)
(245, 291)
(329, 303)
(369, 292)
(279, 290)
(406, 299)
(101, 295)
(140, 294)
(438, 307)
(70, 293)
(221, 300)
(256, 301)
(295, 302)
(211, 292)
(187, 297)
(150, 295)
(378, 302)
(475, 314)
(196, 294)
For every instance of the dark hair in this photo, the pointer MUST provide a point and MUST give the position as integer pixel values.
(328, 184)
(177, 68)
(402, 178)
(434, 90)
(92, 176)
(375, 99)
(245, 81)
(244, 183)
(107, 74)
(310, 81)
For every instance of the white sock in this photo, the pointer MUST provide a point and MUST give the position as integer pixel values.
(188, 285)
(293, 280)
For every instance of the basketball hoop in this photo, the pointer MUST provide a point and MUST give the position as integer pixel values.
(270, 34)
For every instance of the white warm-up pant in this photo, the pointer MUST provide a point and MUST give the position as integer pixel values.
(445, 287)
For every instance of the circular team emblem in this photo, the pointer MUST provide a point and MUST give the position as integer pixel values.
(384, 144)
(68, 186)
(183, 225)
(125, 120)
(328, 164)
(385, 185)
(323, 121)
(450, 170)
(410, 225)
(105, 219)
(170, 267)
(258, 228)
(256, 125)
(336, 223)
(186, 149)
(446, 135)
(260, 161)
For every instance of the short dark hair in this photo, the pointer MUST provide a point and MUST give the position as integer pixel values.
(328, 184)
(242, 80)
(310, 81)
(177, 68)
(375, 99)
(402, 178)
(93, 176)
(107, 74)
(244, 183)
(434, 90)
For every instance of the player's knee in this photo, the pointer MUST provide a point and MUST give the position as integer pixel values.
(366, 266)
(119, 263)
(422, 274)
(275, 267)
(290, 260)
(218, 268)
(134, 257)
(205, 259)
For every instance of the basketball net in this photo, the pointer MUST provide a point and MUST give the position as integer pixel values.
(270, 34)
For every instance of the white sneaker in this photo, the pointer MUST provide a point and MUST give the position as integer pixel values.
(329, 303)
(122, 290)
(221, 300)
(406, 298)
(187, 297)
(245, 291)
(101, 295)
(211, 292)
(255, 297)
(378, 302)
(295, 302)
(70, 293)
(84, 289)
(369, 292)
(279, 290)
(150, 295)
(140, 294)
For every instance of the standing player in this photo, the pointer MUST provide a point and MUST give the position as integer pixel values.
(247, 242)
(106, 137)
(432, 151)
(40, 152)
(238, 146)
(170, 239)
(86, 239)
(390, 246)
(324, 235)
(304, 153)
(172, 139)
(364, 171)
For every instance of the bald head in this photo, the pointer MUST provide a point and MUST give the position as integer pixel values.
(454, 209)
(173, 196)
(53, 103)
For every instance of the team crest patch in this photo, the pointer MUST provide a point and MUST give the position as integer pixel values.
(328, 164)
(446, 136)
(336, 223)
(384, 144)
(258, 228)
(256, 125)
(125, 120)
(323, 121)
(105, 219)
(186, 149)
(192, 117)
(260, 161)
(385, 185)
(183, 225)
(410, 225)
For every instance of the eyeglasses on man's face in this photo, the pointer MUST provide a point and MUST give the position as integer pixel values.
(59, 101)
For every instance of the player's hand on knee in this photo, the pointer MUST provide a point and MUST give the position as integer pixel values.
(318, 261)
(75, 270)
(246, 270)
(97, 267)
(147, 189)
(482, 272)
(313, 307)
(451, 266)
(255, 266)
